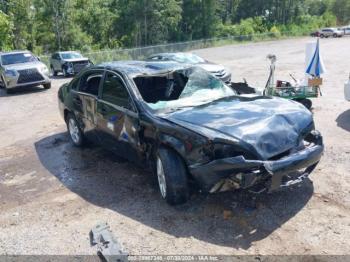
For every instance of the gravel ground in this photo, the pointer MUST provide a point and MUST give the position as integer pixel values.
(52, 194)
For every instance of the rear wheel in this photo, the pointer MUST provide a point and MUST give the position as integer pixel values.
(75, 133)
(322, 35)
(172, 177)
(53, 71)
(47, 86)
(335, 35)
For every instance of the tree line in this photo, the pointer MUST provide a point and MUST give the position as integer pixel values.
(44, 26)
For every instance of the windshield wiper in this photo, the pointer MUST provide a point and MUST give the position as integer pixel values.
(172, 109)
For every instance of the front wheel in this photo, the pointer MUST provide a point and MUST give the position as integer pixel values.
(75, 133)
(2, 83)
(305, 102)
(172, 177)
(65, 73)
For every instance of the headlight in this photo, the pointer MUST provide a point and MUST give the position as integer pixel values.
(44, 69)
(10, 72)
(220, 151)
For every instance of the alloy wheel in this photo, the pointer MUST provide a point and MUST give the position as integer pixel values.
(161, 177)
(74, 131)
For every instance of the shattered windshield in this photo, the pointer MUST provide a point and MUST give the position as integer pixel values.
(187, 58)
(181, 88)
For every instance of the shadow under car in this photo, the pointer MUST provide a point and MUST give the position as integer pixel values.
(107, 181)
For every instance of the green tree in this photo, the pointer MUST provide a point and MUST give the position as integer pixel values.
(147, 22)
(56, 26)
(96, 19)
(341, 9)
(200, 18)
(6, 32)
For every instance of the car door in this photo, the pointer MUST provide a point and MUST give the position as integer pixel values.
(84, 100)
(117, 118)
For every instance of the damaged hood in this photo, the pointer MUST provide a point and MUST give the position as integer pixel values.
(213, 68)
(22, 66)
(267, 126)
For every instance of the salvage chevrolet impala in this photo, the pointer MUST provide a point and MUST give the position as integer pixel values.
(187, 125)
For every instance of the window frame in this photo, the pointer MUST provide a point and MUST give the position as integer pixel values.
(77, 89)
(133, 109)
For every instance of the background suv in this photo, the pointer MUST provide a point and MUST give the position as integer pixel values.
(22, 68)
(68, 62)
(345, 30)
(327, 32)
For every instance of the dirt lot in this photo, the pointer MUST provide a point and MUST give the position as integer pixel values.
(52, 194)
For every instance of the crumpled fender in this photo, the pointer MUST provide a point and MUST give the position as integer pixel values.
(210, 173)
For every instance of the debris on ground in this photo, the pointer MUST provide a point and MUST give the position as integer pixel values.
(108, 247)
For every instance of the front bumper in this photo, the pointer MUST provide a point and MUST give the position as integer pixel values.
(12, 81)
(258, 175)
(226, 78)
(76, 68)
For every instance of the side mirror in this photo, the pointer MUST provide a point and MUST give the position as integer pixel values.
(38, 58)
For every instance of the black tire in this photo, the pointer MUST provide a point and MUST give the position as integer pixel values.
(322, 35)
(79, 139)
(54, 73)
(335, 35)
(47, 86)
(2, 85)
(64, 71)
(305, 102)
(175, 174)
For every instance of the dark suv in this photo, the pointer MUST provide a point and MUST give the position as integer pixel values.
(68, 62)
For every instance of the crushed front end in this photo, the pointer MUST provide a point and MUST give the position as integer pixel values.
(241, 171)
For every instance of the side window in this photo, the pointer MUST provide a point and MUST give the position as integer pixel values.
(74, 83)
(155, 58)
(115, 92)
(90, 82)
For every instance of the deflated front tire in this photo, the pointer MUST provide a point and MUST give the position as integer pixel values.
(172, 176)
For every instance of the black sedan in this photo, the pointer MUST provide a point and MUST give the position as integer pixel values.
(187, 125)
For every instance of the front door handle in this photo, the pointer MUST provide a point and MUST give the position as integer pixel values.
(102, 110)
(77, 100)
